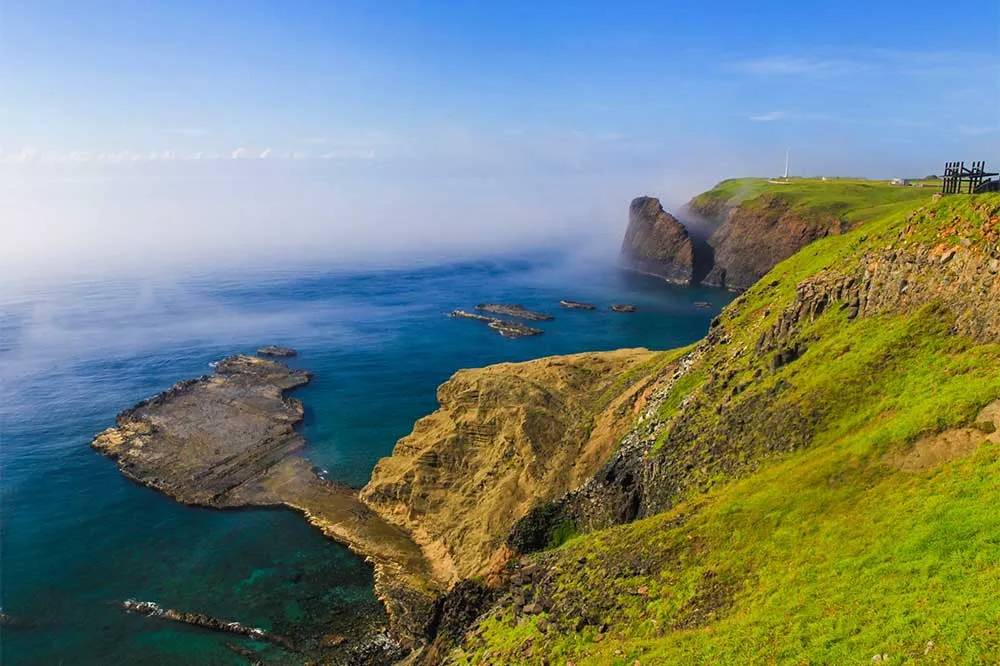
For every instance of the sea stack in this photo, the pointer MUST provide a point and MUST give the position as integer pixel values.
(656, 243)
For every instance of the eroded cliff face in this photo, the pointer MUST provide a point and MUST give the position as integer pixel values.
(505, 439)
(656, 243)
(758, 234)
(747, 392)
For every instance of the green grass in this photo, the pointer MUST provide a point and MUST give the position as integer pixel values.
(820, 555)
(854, 200)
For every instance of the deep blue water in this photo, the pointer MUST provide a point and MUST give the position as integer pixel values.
(77, 538)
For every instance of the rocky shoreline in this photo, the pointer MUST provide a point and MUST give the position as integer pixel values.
(228, 440)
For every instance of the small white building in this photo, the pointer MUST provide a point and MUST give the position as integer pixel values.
(899, 181)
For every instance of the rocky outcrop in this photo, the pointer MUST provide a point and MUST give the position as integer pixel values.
(623, 308)
(577, 305)
(506, 438)
(656, 243)
(505, 327)
(277, 351)
(910, 273)
(152, 609)
(716, 430)
(228, 440)
(515, 311)
(759, 234)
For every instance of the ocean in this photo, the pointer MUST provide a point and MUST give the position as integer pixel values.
(78, 538)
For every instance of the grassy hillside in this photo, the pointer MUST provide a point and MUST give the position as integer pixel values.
(854, 200)
(834, 505)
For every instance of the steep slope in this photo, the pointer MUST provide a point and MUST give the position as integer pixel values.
(815, 482)
(656, 243)
(760, 223)
(506, 438)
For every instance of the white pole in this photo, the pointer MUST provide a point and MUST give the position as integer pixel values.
(786, 164)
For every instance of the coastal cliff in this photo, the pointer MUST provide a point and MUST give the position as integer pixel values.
(733, 234)
(505, 439)
(656, 243)
(831, 440)
(760, 460)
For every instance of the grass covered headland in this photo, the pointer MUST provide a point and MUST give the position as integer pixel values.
(815, 482)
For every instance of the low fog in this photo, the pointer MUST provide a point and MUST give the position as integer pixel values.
(67, 219)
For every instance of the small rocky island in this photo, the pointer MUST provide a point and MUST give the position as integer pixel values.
(229, 440)
(505, 327)
(515, 311)
(276, 351)
(577, 305)
(623, 308)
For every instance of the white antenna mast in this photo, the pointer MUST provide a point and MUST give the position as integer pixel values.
(786, 163)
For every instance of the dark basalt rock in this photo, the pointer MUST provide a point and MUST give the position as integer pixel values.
(206, 621)
(275, 350)
(505, 327)
(576, 305)
(622, 307)
(753, 237)
(515, 311)
(656, 243)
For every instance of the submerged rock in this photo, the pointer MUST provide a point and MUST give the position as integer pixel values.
(275, 350)
(505, 327)
(206, 621)
(576, 305)
(622, 307)
(704, 305)
(515, 311)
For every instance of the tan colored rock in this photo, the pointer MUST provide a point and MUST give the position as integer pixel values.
(505, 438)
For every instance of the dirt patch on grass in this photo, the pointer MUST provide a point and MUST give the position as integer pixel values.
(936, 450)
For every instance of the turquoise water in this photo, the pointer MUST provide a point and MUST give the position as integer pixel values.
(77, 538)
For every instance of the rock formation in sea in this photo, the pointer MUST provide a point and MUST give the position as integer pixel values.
(276, 351)
(229, 440)
(577, 305)
(656, 243)
(504, 327)
(515, 311)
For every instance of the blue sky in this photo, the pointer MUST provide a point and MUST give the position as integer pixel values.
(665, 97)
(906, 79)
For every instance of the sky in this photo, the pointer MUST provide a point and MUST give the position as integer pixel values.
(139, 132)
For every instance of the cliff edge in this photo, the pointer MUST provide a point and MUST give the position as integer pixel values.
(505, 439)
(830, 442)
(733, 234)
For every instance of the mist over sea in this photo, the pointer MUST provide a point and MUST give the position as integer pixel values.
(78, 538)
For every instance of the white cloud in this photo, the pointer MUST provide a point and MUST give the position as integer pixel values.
(265, 153)
(240, 153)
